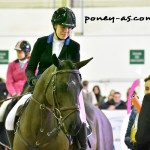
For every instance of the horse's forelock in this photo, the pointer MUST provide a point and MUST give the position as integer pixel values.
(67, 64)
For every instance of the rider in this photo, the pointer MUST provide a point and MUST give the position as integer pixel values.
(59, 42)
(16, 76)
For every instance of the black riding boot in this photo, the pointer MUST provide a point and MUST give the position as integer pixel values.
(82, 137)
(1, 125)
(10, 135)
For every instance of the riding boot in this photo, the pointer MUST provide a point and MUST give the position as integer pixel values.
(82, 137)
(1, 125)
(10, 135)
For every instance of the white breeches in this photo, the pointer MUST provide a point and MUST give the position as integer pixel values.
(3, 109)
(9, 124)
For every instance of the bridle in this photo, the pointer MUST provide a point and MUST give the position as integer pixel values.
(56, 110)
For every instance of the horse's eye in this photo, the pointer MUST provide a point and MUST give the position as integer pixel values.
(63, 87)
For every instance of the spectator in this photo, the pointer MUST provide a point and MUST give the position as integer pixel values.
(143, 130)
(132, 117)
(3, 90)
(127, 140)
(100, 99)
(88, 96)
(115, 103)
(111, 95)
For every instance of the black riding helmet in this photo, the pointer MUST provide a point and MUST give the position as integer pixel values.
(65, 17)
(23, 46)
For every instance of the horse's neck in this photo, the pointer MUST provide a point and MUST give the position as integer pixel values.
(43, 83)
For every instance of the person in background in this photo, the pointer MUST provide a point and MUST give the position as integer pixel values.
(100, 99)
(115, 103)
(16, 76)
(132, 117)
(127, 139)
(143, 127)
(111, 95)
(87, 95)
(3, 90)
(134, 93)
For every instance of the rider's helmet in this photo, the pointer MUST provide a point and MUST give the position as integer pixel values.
(65, 17)
(23, 46)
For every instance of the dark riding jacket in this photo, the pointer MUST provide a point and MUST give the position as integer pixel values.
(42, 54)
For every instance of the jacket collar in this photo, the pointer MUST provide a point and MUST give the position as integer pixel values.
(50, 39)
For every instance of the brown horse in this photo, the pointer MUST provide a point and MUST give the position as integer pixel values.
(52, 114)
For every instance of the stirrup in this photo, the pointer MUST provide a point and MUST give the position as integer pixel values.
(89, 131)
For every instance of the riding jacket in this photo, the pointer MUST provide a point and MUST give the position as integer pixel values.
(41, 55)
(16, 77)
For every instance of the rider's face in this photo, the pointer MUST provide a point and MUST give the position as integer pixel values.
(62, 31)
(147, 87)
(20, 54)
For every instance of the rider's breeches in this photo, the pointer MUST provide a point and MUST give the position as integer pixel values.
(82, 109)
(3, 109)
(9, 124)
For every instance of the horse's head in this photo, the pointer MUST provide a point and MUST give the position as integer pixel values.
(62, 91)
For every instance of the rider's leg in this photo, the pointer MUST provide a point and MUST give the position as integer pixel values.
(82, 137)
(2, 111)
(10, 135)
(9, 124)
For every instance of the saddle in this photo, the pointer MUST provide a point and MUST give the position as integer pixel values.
(20, 111)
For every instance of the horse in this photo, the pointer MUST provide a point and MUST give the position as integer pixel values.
(51, 117)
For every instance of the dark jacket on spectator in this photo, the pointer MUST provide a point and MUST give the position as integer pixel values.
(3, 90)
(120, 105)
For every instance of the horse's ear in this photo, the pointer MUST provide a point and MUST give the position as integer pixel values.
(56, 61)
(82, 63)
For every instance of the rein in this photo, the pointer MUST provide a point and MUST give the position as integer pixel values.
(14, 97)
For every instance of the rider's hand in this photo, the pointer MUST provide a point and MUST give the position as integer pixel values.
(32, 81)
(15, 97)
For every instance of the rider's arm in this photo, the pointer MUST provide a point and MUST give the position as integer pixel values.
(33, 62)
(10, 80)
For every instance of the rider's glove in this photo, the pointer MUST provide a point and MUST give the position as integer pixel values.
(32, 81)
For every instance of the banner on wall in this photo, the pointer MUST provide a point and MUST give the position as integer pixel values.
(4, 55)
